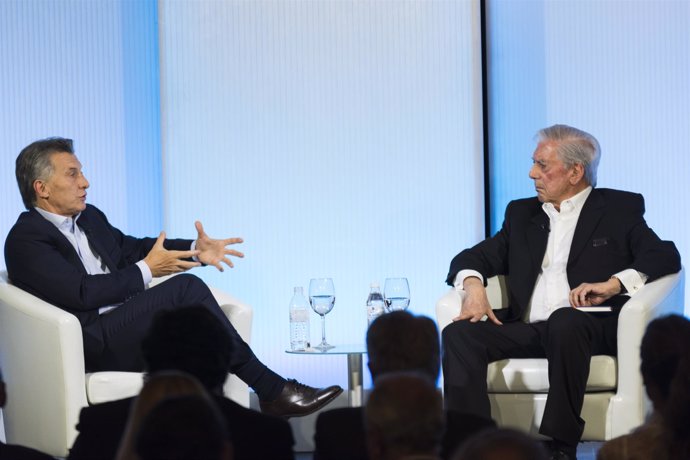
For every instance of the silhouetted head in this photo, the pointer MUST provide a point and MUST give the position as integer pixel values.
(403, 416)
(500, 444)
(400, 341)
(183, 428)
(191, 340)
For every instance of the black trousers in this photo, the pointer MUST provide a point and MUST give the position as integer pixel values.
(568, 339)
(123, 329)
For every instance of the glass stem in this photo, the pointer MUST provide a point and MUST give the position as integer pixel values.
(323, 329)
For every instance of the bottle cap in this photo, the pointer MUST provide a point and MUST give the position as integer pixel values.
(374, 284)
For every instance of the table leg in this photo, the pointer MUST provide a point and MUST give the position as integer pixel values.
(354, 376)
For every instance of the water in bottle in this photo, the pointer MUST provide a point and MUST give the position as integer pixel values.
(299, 321)
(375, 303)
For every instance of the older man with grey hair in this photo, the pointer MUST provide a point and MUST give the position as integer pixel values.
(573, 245)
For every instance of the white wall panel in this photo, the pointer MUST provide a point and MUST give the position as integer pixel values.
(618, 69)
(339, 138)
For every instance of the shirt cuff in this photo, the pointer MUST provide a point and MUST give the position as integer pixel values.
(462, 274)
(146, 274)
(632, 280)
(195, 258)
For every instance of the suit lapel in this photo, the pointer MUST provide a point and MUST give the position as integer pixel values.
(537, 237)
(85, 223)
(591, 214)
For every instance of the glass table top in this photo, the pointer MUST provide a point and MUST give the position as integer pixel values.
(348, 349)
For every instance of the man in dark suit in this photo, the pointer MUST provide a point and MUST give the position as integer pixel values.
(396, 342)
(572, 246)
(67, 253)
(190, 340)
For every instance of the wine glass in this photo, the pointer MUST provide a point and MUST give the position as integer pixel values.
(322, 298)
(396, 293)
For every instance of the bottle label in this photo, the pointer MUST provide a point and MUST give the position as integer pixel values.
(300, 315)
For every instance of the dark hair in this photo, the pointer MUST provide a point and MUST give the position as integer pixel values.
(400, 341)
(182, 428)
(500, 443)
(405, 412)
(665, 355)
(33, 163)
(191, 340)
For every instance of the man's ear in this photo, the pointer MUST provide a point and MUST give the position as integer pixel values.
(40, 189)
(577, 172)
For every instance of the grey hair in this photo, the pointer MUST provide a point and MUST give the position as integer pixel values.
(574, 146)
(34, 163)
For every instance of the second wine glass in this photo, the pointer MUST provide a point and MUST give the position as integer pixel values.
(322, 299)
(396, 293)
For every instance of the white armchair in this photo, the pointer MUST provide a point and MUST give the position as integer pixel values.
(42, 360)
(615, 401)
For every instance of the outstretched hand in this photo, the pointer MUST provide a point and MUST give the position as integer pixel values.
(476, 304)
(587, 294)
(163, 262)
(212, 251)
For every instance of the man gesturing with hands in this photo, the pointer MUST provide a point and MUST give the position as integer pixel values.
(66, 252)
(573, 245)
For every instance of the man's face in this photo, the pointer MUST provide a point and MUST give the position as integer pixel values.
(552, 180)
(64, 192)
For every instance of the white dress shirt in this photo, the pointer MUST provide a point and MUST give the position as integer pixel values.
(552, 290)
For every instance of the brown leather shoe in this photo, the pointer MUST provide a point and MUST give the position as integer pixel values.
(298, 399)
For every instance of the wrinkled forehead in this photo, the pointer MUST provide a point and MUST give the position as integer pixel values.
(546, 151)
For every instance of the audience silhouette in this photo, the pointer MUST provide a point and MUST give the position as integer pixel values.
(501, 444)
(183, 428)
(158, 387)
(403, 418)
(396, 342)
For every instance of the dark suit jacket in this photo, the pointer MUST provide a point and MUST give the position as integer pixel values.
(40, 260)
(611, 235)
(255, 436)
(340, 433)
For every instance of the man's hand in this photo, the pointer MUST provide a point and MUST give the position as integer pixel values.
(588, 294)
(163, 262)
(476, 303)
(213, 252)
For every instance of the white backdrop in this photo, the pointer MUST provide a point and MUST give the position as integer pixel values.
(340, 139)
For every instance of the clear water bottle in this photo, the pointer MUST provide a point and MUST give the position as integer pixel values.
(375, 303)
(299, 321)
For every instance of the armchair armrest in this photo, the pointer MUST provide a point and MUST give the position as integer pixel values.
(448, 307)
(40, 349)
(661, 297)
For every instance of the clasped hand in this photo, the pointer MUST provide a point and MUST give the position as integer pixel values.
(209, 251)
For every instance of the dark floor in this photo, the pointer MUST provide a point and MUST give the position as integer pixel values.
(586, 451)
